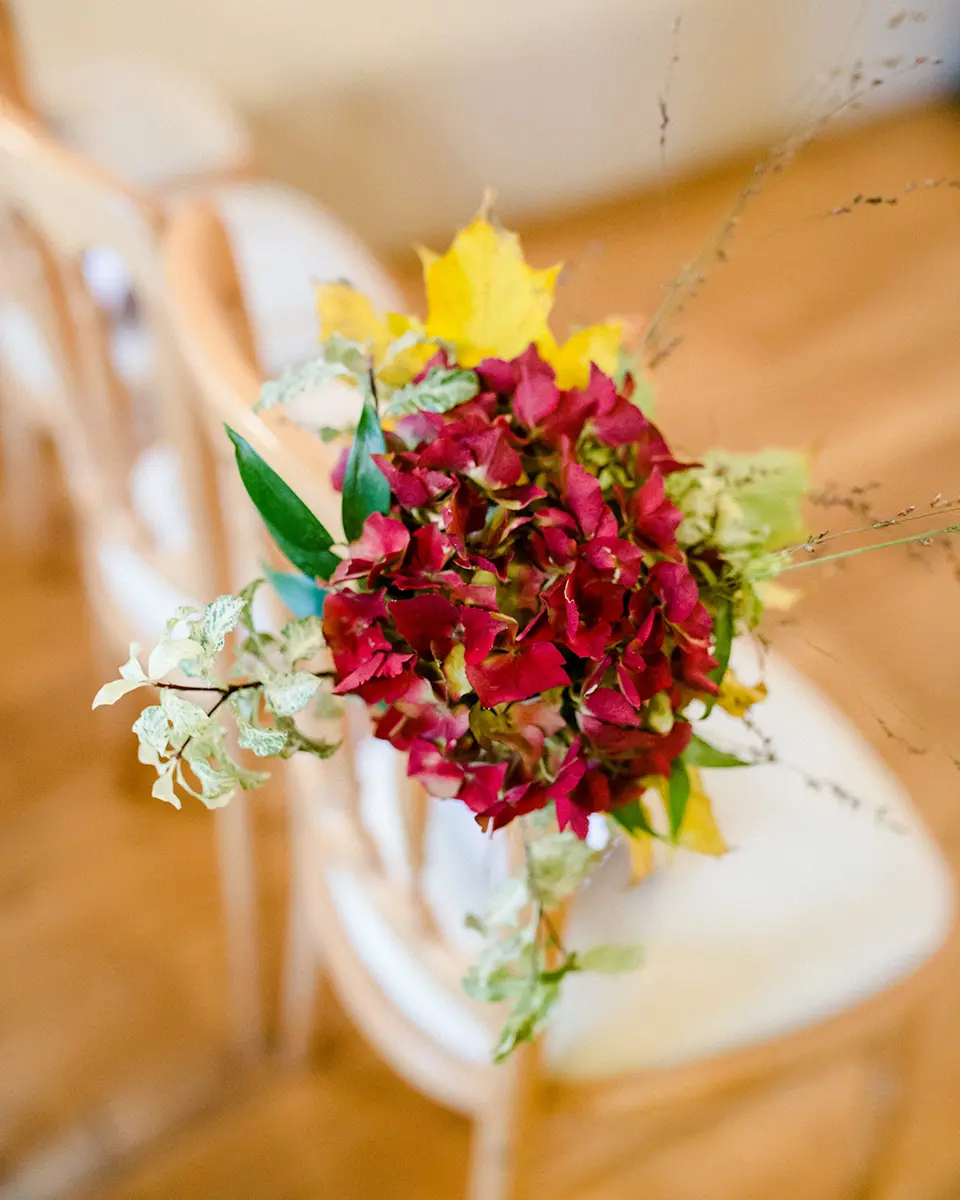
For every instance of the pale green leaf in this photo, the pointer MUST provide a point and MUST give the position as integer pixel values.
(166, 656)
(442, 389)
(220, 618)
(265, 743)
(111, 692)
(610, 959)
(186, 718)
(302, 639)
(163, 789)
(289, 693)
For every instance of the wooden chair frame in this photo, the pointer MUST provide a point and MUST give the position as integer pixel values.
(59, 206)
(519, 1110)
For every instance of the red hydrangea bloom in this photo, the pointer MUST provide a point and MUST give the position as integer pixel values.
(515, 614)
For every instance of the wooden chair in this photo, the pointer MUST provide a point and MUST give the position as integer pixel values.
(766, 1047)
(147, 524)
(150, 124)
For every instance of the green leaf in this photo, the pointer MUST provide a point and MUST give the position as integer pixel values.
(264, 743)
(610, 959)
(701, 754)
(442, 389)
(290, 523)
(220, 617)
(365, 488)
(340, 359)
(633, 818)
(678, 793)
(298, 592)
(302, 639)
(288, 694)
(723, 636)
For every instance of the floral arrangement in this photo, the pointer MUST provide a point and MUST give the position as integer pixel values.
(537, 598)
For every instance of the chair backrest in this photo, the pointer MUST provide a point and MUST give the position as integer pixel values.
(386, 852)
(62, 207)
(13, 85)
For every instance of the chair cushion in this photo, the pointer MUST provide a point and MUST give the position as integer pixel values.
(148, 123)
(818, 905)
(284, 244)
(141, 592)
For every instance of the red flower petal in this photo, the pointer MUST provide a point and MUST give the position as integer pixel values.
(529, 669)
(537, 394)
(677, 588)
(583, 497)
(426, 623)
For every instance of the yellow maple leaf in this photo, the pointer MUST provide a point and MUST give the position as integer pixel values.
(699, 830)
(598, 344)
(737, 698)
(640, 847)
(483, 297)
(345, 311)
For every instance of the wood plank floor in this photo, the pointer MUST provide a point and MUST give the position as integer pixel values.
(838, 333)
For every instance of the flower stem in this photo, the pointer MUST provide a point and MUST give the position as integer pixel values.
(916, 537)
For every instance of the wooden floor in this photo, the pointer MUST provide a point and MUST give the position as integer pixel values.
(837, 333)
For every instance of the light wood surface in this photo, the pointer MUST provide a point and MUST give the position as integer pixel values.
(846, 330)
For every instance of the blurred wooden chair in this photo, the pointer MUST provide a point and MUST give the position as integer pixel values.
(150, 124)
(766, 1046)
(156, 129)
(146, 517)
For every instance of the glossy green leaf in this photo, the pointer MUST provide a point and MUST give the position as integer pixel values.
(678, 793)
(298, 592)
(365, 488)
(633, 818)
(701, 754)
(290, 523)
(723, 634)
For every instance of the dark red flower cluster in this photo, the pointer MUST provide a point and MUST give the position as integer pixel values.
(523, 621)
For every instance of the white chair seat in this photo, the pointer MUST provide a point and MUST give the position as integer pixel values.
(284, 244)
(818, 906)
(152, 125)
(142, 593)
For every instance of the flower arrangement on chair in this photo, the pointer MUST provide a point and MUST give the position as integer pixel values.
(537, 599)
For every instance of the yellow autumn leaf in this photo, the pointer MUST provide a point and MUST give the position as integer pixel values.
(598, 344)
(345, 311)
(640, 847)
(737, 698)
(483, 297)
(699, 830)
(775, 596)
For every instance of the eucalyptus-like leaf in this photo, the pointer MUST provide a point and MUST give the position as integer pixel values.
(701, 754)
(292, 525)
(298, 592)
(365, 488)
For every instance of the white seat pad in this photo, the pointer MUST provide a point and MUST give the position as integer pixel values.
(817, 906)
(284, 244)
(148, 123)
(144, 595)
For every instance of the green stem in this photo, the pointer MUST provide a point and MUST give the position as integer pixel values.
(916, 537)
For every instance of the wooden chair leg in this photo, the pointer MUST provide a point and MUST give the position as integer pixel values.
(298, 997)
(25, 508)
(239, 898)
(500, 1152)
(896, 1072)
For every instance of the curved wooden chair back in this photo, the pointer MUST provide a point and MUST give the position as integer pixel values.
(59, 207)
(855, 1067)
(331, 832)
(13, 86)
